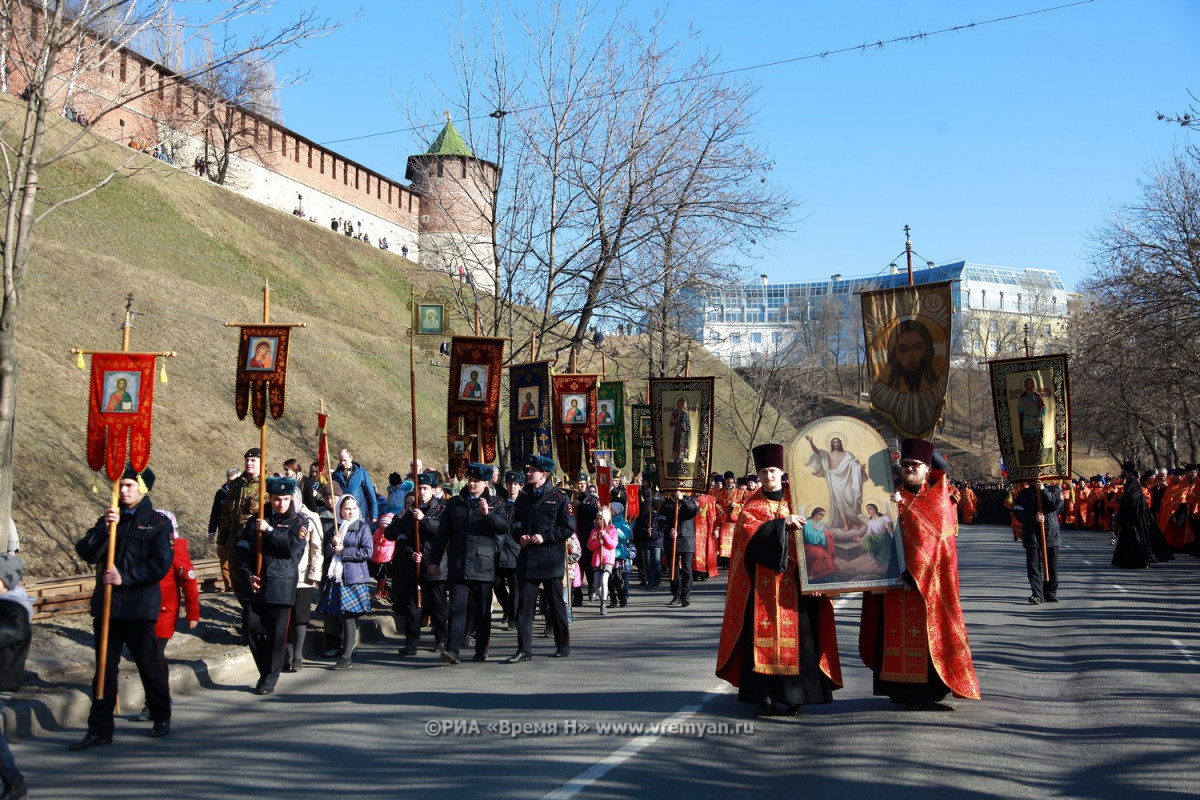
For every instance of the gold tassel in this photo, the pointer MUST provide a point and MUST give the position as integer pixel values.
(141, 485)
(95, 486)
(79, 360)
(162, 373)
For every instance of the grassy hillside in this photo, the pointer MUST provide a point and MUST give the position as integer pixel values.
(195, 256)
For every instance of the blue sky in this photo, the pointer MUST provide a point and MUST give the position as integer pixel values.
(1002, 144)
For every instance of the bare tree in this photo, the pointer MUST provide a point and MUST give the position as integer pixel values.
(57, 50)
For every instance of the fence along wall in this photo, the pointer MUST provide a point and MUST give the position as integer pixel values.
(158, 106)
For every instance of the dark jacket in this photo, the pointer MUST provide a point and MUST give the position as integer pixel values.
(586, 508)
(546, 512)
(507, 543)
(218, 508)
(144, 555)
(16, 631)
(1025, 509)
(471, 539)
(282, 547)
(356, 552)
(359, 484)
(689, 507)
(241, 503)
(402, 531)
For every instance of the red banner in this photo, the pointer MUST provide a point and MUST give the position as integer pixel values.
(322, 444)
(475, 364)
(120, 411)
(576, 429)
(261, 371)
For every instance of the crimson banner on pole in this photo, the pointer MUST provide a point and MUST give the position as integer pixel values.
(474, 391)
(261, 371)
(575, 409)
(120, 412)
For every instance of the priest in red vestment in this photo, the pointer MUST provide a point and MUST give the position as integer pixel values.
(778, 647)
(914, 639)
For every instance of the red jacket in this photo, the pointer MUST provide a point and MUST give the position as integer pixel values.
(181, 577)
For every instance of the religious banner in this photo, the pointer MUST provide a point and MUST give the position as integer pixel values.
(681, 424)
(322, 446)
(840, 479)
(604, 467)
(610, 420)
(261, 371)
(458, 455)
(575, 411)
(908, 355)
(475, 364)
(641, 436)
(1033, 416)
(530, 422)
(120, 412)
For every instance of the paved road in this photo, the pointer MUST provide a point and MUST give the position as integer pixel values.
(1092, 697)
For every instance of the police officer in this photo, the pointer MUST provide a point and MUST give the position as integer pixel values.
(470, 530)
(508, 550)
(269, 596)
(684, 545)
(411, 569)
(546, 522)
(144, 552)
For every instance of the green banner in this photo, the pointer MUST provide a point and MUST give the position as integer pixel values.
(611, 420)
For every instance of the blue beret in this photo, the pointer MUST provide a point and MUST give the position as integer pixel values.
(480, 472)
(540, 463)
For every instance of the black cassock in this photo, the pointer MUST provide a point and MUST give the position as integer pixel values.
(1139, 541)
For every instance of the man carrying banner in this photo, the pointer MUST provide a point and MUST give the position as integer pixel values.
(679, 511)
(777, 645)
(546, 521)
(281, 537)
(410, 570)
(143, 555)
(914, 639)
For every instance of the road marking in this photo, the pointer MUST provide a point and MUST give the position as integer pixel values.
(630, 749)
(1183, 650)
(1089, 563)
(1121, 590)
(841, 601)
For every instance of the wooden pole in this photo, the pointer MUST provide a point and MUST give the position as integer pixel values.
(478, 323)
(412, 387)
(262, 445)
(908, 252)
(1042, 530)
(675, 538)
(110, 557)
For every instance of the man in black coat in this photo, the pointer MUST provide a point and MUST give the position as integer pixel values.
(269, 595)
(1043, 578)
(546, 521)
(681, 536)
(508, 550)
(412, 568)
(586, 508)
(143, 555)
(470, 530)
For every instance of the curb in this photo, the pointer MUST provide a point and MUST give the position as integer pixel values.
(54, 712)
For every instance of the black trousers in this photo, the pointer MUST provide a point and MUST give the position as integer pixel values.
(681, 584)
(506, 592)
(433, 603)
(138, 635)
(552, 592)
(267, 630)
(476, 597)
(1043, 586)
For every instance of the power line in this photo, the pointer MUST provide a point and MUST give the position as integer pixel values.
(878, 44)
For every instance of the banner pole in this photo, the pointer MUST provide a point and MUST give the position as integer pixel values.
(412, 388)
(262, 445)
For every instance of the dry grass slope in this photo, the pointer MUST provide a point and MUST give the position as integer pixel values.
(195, 256)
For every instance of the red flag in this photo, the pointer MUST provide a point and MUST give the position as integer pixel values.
(322, 444)
(120, 411)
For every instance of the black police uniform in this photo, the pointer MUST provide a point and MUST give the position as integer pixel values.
(432, 577)
(269, 609)
(471, 542)
(545, 511)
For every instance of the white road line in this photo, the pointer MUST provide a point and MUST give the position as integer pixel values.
(1089, 563)
(1120, 589)
(631, 748)
(1183, 650)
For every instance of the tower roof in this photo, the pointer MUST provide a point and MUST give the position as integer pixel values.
(449, 142)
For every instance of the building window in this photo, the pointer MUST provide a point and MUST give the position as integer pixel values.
(735, 338)
(440, 169)
(310, 156)
(756, 338)
(735, 360)
(777, 337)
(122, 67)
